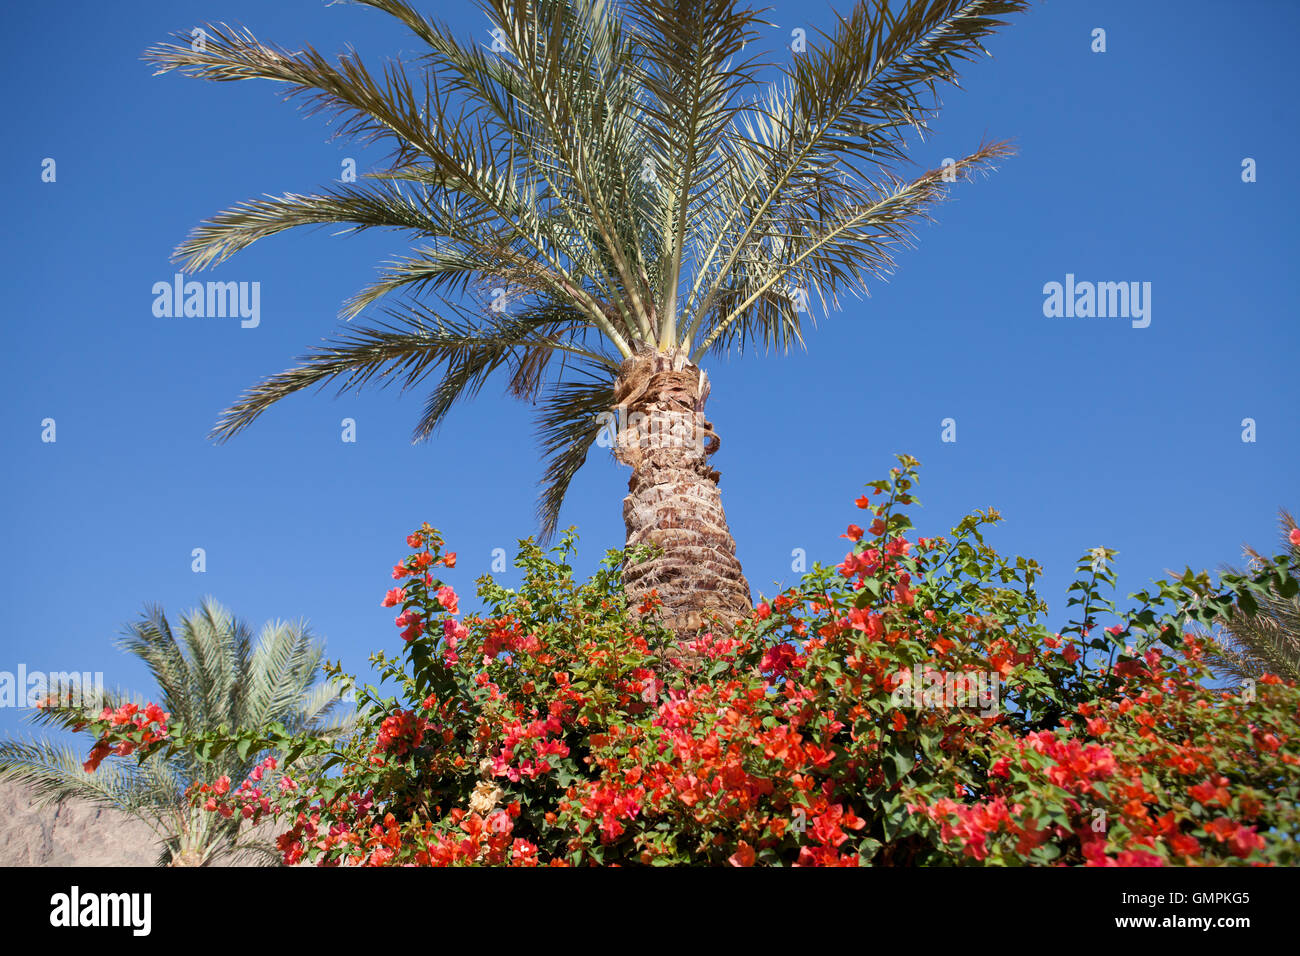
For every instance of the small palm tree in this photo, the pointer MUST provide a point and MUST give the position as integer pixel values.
(618, 195)
(214, 676)
(1248, 646)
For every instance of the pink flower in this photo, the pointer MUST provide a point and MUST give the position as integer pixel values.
(454, 631)
(1295, 537)
(447, 598)
(394, 597)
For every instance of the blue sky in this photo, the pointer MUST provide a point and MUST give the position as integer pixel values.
(1081, 431)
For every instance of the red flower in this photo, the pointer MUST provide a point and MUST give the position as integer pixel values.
(744, 855)
(1211, 792)
(1294, 537)
(1098, 726)
(1139, 858)
(394, 597)
(97, 755)
(854, 533)
(400, 732)
(412, 622)
(776, 660)
(863, 620)
(1245, 841)
(447, 598)
(903, 593)
(1184, 845)
(1241, 840)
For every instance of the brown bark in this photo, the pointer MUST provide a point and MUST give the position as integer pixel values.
(673, 500)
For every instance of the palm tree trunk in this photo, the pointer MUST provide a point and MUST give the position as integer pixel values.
(673, 500)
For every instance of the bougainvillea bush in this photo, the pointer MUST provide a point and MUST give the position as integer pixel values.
(909, 706)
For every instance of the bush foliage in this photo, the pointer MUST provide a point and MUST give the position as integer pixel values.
(909, 706)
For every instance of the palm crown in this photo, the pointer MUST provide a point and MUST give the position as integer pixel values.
(602, 181)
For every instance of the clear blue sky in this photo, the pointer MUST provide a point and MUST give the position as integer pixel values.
(1083, 432)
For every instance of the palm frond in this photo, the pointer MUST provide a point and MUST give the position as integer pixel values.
(283, 668)
(838, 248)
(694, 82)
(568, 423)
(151, 640)
(53, 773)
(356, 207)
(1250, 644)
(838, 116)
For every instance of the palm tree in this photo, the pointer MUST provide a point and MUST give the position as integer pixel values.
(214, 676)
(609, 183)
(1267, 641)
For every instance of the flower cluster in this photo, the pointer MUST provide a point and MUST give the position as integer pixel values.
(251, 800)
(906, 707)
(1166, 771)
(400, 733)
(418, 569)
(124, 730)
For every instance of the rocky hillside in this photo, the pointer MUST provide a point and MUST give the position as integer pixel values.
(80, 834)
(74, 834)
